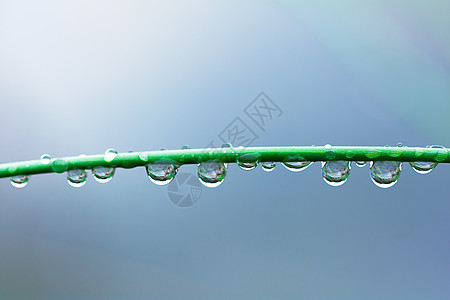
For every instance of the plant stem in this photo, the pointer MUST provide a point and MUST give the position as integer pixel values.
(229, 155)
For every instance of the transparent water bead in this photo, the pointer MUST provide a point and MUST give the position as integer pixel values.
(19, 181)
(212, 173)
(361, 164)
(76, 177)
(268, 166)
(335, 173)
(45, 159)
(426, 167)
(385, 173)
(227, 145)
(110, 154)
(161, 173)
(248, 161)
(103, 174)
(296, 166)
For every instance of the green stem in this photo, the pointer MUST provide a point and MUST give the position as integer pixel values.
(229, 155)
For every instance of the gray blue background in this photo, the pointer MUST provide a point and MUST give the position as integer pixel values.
(82, 76)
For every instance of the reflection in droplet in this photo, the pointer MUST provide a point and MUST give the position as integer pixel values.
(335, 173)
(212, 173)
(161, 173)
(110, 154)
(19, 181)
(103, 174)
(268, 166)
(76, 177)
(360, 163)
(296, 166)
(45, 159)
(385, 173)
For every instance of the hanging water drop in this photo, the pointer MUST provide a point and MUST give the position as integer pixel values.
(335, 173)
(103, 174)
(423, 167)
(296, 166)
(161, 173)
(19, 181)
(268, 166)
(385, 173)
(248, 161)
(45, 159)
(76, 177)
(110, 154)
(212, 173)
(360, 163)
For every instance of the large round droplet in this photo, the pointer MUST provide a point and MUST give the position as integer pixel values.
(19, 181)
(161, 173)
(76, 177)
(296, 166)
(103, 174)
(45, 159)
(385, 173)
(110, 154)
(212, 173)
(335, 173)
(268, 166)
(360, 163)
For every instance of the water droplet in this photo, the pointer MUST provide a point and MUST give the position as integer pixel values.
(349, 154)
(328, 146)
(296, 166)
(373, 153)
(248, 161)
(442, 153)
(19, 181)
(385, 173)
(335, 173)
(268, 166)
(103, 174)
(400, 145)
(185, 147)
(12, 169)
(422, 167)
(212, 173)
(45, 159)
(227, 145)
(161, 173)
(143, 156)
(76, 177)
(360, 163)
(60, 165)
(110, 154)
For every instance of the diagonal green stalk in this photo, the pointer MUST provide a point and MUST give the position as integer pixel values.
(228, 155)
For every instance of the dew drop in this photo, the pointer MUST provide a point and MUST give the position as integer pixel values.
(103, 174)
(350, 154)
(60, 165)
(185, 147)
(385, 173)
(19, 181)
(248, 161)
(328, 146)
(268, 166)
(161, 173)
(423, 167)
(372, 153)
(45, 159)
(360, 163)
(442, 153)
(143, 156)
(227, 145)
(76, 177)
(212, 173)
(296, 166)
(335, 173)
(110, 154)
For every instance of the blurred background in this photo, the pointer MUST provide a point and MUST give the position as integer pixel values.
(78, 77)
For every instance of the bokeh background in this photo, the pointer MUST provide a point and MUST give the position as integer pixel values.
(82, 76)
